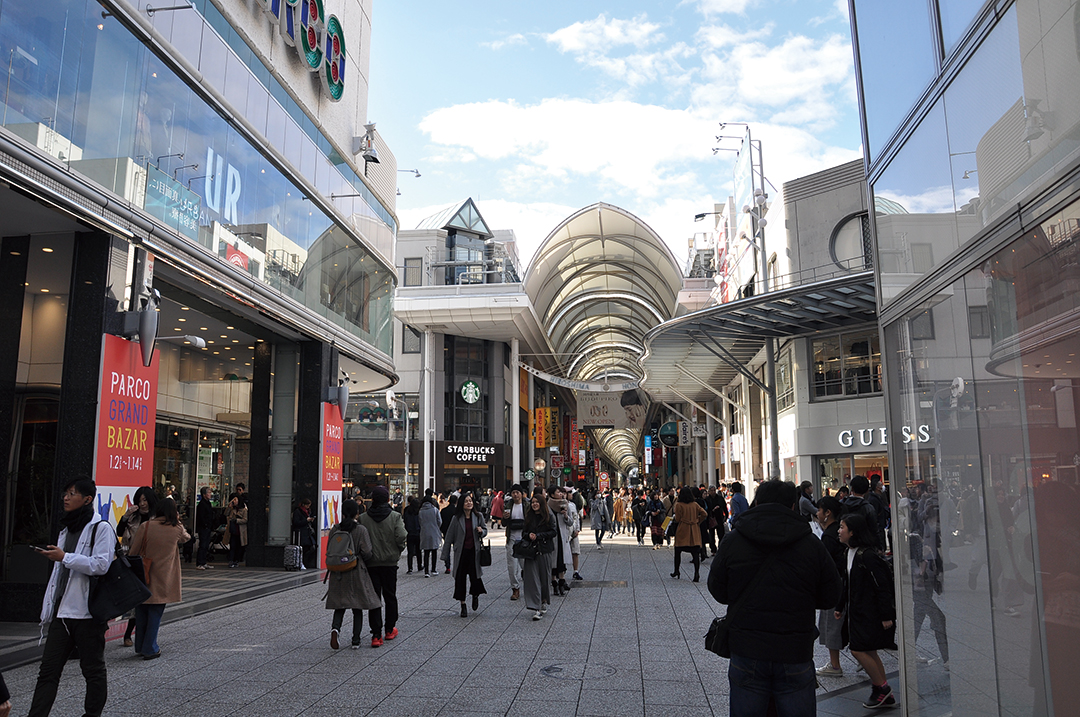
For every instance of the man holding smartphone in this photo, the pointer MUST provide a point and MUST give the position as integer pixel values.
(65, 612)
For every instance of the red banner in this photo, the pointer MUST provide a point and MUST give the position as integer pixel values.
(127, 415)
(236, 257)
(333, 434)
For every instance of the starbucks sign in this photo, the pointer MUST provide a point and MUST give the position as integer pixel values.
(470, 392)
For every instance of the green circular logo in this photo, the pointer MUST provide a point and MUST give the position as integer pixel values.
(470, 391)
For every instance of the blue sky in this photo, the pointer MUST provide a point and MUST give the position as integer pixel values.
(536, 110)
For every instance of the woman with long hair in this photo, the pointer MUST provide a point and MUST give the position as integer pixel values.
(236, 534)
(867, 605)
(156, 541)
(540, 531)
(688, 516)
(351, 589)
(830, 627)
(654, 512)
(143, 508)
(565, 514)
(466, 534)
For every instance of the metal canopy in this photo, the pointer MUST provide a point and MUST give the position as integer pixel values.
(715, 343)
(599, 282)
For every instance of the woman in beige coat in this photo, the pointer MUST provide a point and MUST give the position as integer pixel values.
(156, 542)
(688, 515)
(236, 518)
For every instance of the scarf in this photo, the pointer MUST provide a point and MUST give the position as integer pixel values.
(74, 521)
(557, 505)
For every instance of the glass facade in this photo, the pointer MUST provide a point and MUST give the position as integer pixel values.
(465, 360)
(83, 89)
(984, 354)
(846, 365)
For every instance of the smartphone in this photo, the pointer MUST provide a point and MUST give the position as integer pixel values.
(39, 548)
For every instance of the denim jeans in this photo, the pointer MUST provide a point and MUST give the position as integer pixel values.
(753, 683)
(147, 624)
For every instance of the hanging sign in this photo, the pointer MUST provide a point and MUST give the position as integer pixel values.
(333, 433)
(470, 392)
(127, 417)
(591, 386)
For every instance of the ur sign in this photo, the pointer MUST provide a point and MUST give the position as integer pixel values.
(333, 434)
(127, 416)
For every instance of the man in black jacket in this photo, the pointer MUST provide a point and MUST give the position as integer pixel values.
(204, 525)
(772, 632)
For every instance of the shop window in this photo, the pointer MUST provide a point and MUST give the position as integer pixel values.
(978, 322)
(410, 340)
(414, 269)
(846, 365)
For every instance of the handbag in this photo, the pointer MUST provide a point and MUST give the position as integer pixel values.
(485, 555)
(717, 639)
(526, 549)
(121, 589)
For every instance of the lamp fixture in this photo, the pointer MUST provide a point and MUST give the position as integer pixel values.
(416, 172)
(186, 166)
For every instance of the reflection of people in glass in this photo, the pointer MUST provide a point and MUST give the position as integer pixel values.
(635, 412)
(928, 578)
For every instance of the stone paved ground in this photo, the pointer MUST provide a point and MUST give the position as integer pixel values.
(633, 650)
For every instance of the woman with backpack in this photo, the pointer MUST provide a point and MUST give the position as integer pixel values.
(867, 605)
(349, 589)
(466, 534)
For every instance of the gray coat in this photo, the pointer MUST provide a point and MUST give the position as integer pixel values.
(430, 524)
(455, 536)
(352, 589)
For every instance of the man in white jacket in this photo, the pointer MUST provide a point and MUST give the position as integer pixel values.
(65, 611)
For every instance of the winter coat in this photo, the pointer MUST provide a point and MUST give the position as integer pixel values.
(204, 516)
(388, 535)
(567, 525)
(739, 505)
(545, 532)
(302, 530)
(127, 527)
(155, 541)
(689, 517)
(868, 601)
(352, 590)
(430, 523)
(497, 504)
(620, 510)
(778, 622)
(81, 564)
(859, 504)
(455, 536)
(599, 518)
(412, 521)
(240, 515)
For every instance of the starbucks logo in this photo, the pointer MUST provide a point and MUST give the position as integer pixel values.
(470, 392)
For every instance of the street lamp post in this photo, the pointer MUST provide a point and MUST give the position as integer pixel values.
(392, 399)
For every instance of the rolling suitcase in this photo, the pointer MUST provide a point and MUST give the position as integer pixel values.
(293, 557)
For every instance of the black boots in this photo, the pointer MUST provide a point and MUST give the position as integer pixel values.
(464, 610)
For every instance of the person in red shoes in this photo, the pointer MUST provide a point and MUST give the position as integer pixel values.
(388, 538)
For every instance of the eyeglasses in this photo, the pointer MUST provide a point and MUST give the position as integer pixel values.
(73, 494)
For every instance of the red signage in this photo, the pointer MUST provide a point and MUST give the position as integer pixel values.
(557, 461)
(127, 415)
(236, 257)
(333, 434)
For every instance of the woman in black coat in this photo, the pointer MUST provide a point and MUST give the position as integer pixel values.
(830, 627)
(303, 530)
(539, 529)
(867, 605)
(411, 515)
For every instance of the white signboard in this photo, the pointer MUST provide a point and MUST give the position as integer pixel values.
(610, 410)
(684, 433)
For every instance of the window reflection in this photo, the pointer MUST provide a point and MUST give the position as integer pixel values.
(956, 16)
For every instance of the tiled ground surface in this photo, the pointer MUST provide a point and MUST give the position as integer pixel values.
(633, 650)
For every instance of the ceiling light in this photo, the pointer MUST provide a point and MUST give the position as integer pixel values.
(46, 291)
(202, 328)
(184, 308)
(210, 341)
(181, 319)
(230, 327)
(216, 353)
(47, 250)
(235, 341)
(224, 336)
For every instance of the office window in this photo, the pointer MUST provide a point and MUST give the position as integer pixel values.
(846, 365)
(978, 322)
(414, 272)
(410, 340)
(785, 385)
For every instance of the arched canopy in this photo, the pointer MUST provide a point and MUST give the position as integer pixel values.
(599, 282)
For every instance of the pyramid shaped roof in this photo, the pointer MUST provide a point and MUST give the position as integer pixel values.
(462, 215)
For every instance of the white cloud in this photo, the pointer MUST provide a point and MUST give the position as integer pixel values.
(720, 7)
(602, 34)
(720, 36)
(510, 40)
(934, 200)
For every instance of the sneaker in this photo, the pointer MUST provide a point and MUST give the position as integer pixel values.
(376, 641)
(208, 566)
(200, 567)
(355, 646)
(334, 640)
(391, 635)
(408, 572)
(427, 574)
(830, 671)
(537, 615)
(448, 571)
(601, 547)
(879, 697)
(543, 608)
(577, 576)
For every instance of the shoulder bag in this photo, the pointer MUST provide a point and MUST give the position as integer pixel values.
(526, 549)
(485, 555)
(717, 639)
(121, 589)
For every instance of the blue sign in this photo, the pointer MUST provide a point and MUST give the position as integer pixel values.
(172, 203)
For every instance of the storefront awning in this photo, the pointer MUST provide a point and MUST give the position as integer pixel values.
(710, 343)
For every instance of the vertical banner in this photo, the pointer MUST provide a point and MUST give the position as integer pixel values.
(127, 416)
(333, 431)
(540, 427)
(554, 427)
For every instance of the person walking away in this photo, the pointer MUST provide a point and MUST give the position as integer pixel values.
(867, 605)
(514, 521)
(618, 515)
(83, 550)
(430, 533)
(598, 518)
(688, 516)
(857, 503)
(204, 525)
(574, 518)
(498, 503)
(739, 504)
(539, 528)
(773, 568)
(564, 525)
(447, 514)
(655, 515)
(829, 626)
(718, 515)
(302, 530)
(466, 533)
(157, 542)
(143, 508)
(388, 539)
(637, 510)
(351, 589)
(882, 511)
(236, 536)
(411, 516)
